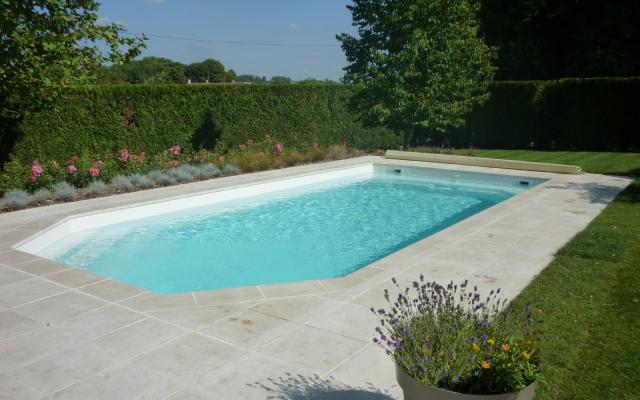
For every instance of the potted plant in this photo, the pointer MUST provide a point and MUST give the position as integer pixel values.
(448, 343)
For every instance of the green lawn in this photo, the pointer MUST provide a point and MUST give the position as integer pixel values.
(589, 297)
(595, 162)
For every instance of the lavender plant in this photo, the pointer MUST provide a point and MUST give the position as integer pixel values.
(450, 337)
(231, 169)
(120, 182)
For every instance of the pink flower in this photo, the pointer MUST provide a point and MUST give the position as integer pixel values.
(33, 178)
(99, 163)
(72, 168)
(124, 155)
(73, 159)
(36, 169)
(175, 150)
(343, 141)
(54, 163)
(278, 148)
(141, 155)
(220, 158)
(93, 171)
(174, 163)
(242, 146)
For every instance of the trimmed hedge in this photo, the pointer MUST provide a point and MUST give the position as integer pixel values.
(566, 114)
(152, 118)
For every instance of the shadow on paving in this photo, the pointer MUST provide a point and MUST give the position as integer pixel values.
(299, 387)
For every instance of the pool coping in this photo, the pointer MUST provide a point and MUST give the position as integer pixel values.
(506, 245)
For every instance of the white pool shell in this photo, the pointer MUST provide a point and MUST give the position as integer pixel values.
(40, 244)
(68, 333)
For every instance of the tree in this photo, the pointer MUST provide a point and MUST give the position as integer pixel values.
(230, 76)
(147, 70)
(209, 70)
(280, 79)
(251, 78)
(421, 62)
(48, 45)
(550, 39)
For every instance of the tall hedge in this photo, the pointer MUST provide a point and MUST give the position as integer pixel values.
(565, 114)
(151, 118)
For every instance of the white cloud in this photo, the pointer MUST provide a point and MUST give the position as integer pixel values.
(295, 27)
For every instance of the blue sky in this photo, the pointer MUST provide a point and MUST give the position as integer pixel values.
(255, 21)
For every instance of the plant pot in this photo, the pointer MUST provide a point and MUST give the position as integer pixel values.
(414, 390)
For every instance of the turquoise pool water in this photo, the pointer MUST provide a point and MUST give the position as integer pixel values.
(315, 232)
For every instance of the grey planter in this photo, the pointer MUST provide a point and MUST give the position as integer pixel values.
(414, 390)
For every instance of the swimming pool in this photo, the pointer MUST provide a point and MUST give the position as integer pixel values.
(320, 226)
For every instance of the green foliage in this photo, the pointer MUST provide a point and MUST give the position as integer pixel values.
(571, 114)
(246, 78)
(48, 45)
(421, 62)
(280, 79)
(209, 70)
(550, 39)
(147, 70)
(102, 119)
(230, 76)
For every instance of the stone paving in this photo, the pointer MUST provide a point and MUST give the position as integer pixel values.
(69, 334)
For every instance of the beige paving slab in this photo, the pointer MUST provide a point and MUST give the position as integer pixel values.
(10, 275)
(379, 372)
(64, 368)
(32, 346)
(249, 329)
(59, 307)
(292, 289)
(75, 277)
(228, 296)
(27, 291)
(314, 349)
(95, 323)
(14, 324)
(137, 338)
(41, 266)
(195, 318)
(11, 389)
(110, 290)
(13, 257)
(190, 357)
(297, 309)
(155, 302)
(347, 319)
(125, 381)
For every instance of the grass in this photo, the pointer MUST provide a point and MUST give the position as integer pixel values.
(589, 296)
(594, 162)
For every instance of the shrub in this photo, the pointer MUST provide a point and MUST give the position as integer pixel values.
(180, 174)
(41, 196)
(231, 169)
(16, 199)
(161, 178)
(64, 191)
(96, 188)
(450, 338)
(336, 152)
(141, 181)
(291, 158)
(192, 170)
(121, 183)
(209, 171)
(249, 162)
(194, 117)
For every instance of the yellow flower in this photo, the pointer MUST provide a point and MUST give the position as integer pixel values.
(526, 355)
(491, 342)
(486, 365)
(506, 347)
(475, 347)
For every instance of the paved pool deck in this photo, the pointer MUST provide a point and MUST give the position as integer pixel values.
(69, 334)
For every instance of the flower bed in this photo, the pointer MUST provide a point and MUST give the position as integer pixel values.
(85, 176)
